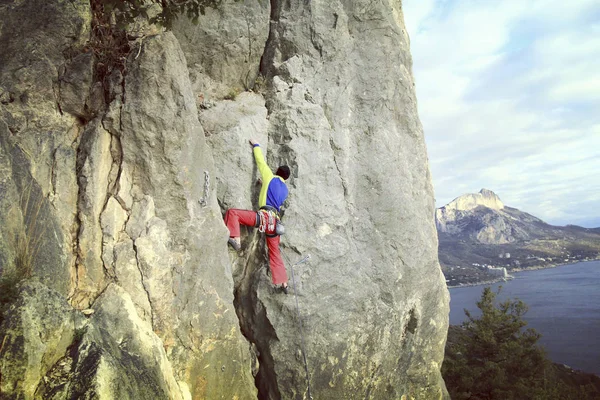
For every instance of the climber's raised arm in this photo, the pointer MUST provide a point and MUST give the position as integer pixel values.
(265, 172)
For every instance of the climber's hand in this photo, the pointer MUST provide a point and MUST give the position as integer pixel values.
(253, 142)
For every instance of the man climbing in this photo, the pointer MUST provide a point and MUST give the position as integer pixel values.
(272, 194)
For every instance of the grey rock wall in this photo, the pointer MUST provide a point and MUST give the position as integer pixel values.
(42, 326)
(38, 140)
(224, 49)
(342, 114)
(130, 180)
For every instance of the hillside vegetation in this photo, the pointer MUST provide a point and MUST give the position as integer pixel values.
(494, 357)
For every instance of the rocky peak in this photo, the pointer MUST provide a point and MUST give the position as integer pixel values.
(480, 217)
(469, 201)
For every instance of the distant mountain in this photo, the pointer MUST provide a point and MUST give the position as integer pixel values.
(477, 230)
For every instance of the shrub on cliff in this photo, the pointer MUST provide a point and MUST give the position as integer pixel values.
(493, 357)
(110, 40)
(126, 11)
(27, 246)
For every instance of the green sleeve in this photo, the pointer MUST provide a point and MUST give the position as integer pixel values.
(265, 172)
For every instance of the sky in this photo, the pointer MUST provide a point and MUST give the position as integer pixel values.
(509, 98)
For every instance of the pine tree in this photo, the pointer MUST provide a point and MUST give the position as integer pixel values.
(495, 358)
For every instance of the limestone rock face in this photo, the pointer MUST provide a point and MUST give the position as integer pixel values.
(129, 177)
(342, 114)
(50, 350)
(223, 50)
(127, 202)
(175, 228)
(119, 356)
(39, 139)
(37, 334)
(228, 127)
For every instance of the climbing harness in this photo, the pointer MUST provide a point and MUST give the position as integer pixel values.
(302, 341)
(266, 220)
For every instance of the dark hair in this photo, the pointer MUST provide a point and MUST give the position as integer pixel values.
(284, 172)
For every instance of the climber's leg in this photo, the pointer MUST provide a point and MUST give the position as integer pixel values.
(278, 273)
(234, 217)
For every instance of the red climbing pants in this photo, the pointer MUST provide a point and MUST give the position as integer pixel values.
(234, 217)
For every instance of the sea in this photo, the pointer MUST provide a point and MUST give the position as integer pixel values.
(564, 306)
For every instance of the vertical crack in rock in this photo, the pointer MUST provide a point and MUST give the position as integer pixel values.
(111, 190)
(334, 148)
(75, 226)
(116, 150)
(254, 322)
(117, 90)
(251, 312)
(266, 61)
(249, 39)
(139, 265)
(372, 382)
(53, 174)
(410, 327)
(56, 92)
(77, 223)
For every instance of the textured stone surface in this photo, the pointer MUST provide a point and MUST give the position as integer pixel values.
(120, 195)
(342, 114)
(180, 243)
(223, 50)
(40, 328)
(75, 87)
(31, 231)
(37, 137)
(228, 126)
(94, 162)
(119, 356)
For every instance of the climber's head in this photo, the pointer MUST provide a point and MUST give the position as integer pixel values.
(284, 172)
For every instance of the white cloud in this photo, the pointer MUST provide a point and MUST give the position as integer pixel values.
(508, 96)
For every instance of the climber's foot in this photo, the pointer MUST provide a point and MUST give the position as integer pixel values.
(235, 243)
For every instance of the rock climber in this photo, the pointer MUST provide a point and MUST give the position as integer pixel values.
(272, 195)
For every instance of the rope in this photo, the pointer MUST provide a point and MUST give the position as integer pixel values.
(302, 341)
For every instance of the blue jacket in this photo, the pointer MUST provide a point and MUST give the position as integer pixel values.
(274, 190)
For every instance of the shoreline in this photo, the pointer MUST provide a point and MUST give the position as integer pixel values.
(482, 283)
(537, 267)
(510, 277)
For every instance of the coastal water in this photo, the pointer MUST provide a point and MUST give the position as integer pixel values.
(564, 306)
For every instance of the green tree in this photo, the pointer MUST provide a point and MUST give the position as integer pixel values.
(493, 357)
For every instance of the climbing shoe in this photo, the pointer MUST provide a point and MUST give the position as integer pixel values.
(284, 289)
(235, 244)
